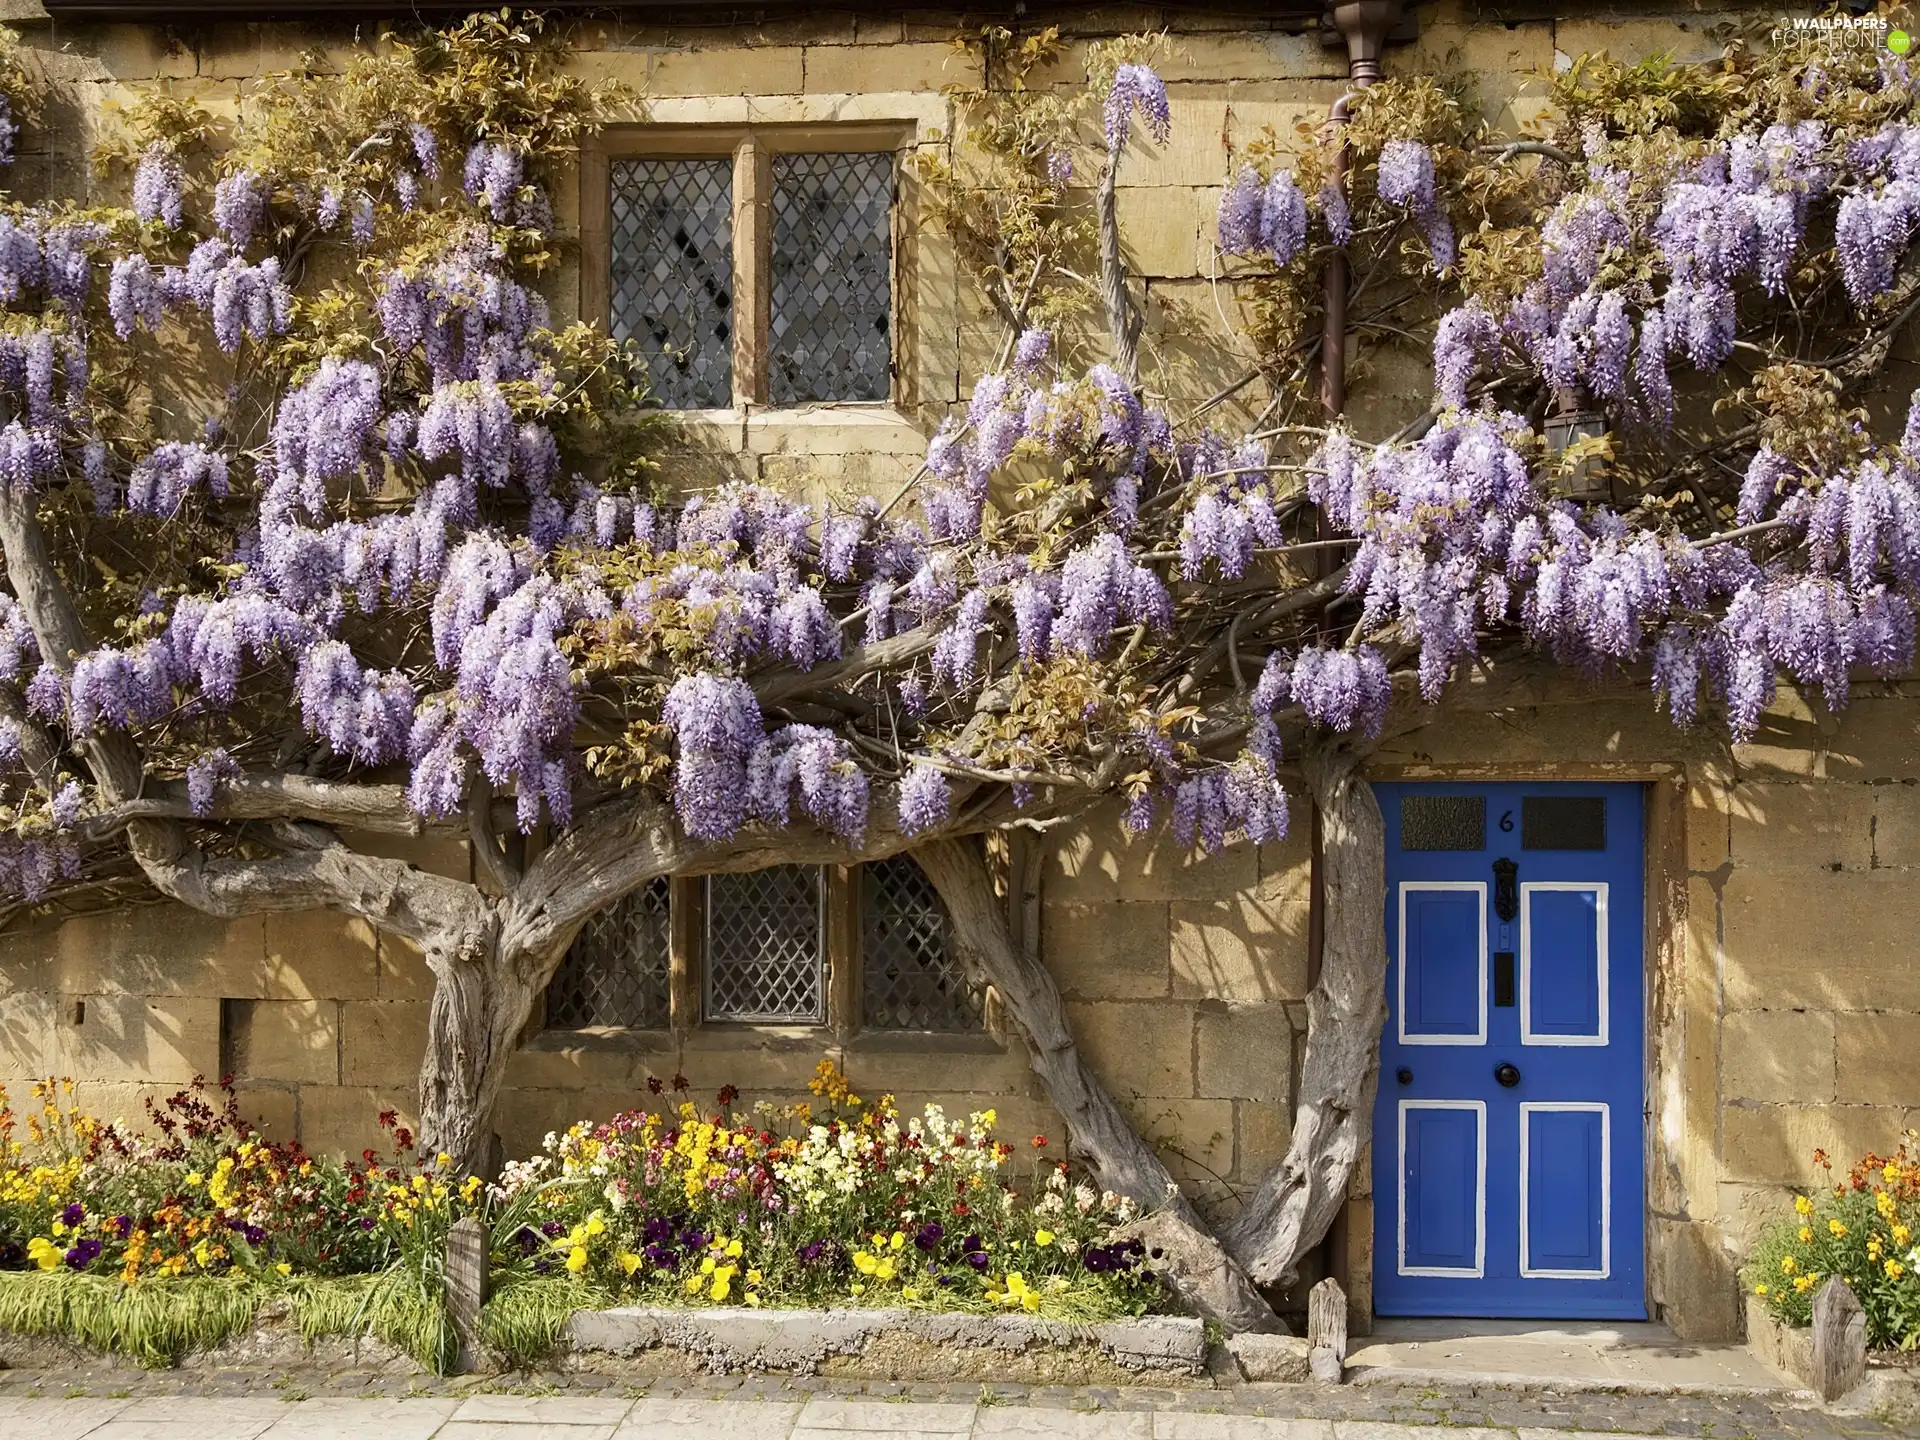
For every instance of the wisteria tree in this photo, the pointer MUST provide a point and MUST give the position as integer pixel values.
(316, 525)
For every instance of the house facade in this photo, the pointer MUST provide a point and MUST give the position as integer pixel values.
(1639, 975)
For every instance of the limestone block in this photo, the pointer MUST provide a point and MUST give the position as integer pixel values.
(1360, 1267)
(558, 1060)
(1292, 121)
(403, 971)
(1485, 51)
(29, 1022)
(1113, 950)
(1692, 1279)
(1101, 861)
(1896, 826)
(628, 67)
(1679, 37)
(164, 1040)
(315, 954)
(1265, 1131)
(1792, 738)
(758, 1058)
(1778, 1055)
(1879, 1060)
(382, 1042)
(1160, 228)
(1251, 56)
(1244, 949)
(1245, 1052)
(1195, 152)
(1743, 1212)
(1774, 1144)
(1828, 941)
(1194, 1138)
(290, 1041)
(1137, 1047)
(439, 852)
(274, 1110)
(770, 70)
(849, 69)
(1799, 826)
(1286, 866)
(1708, 823)
(900, 1061)
(345, 1119)
(152, 950)
(135, 52)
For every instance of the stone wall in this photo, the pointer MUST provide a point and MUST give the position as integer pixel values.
(1784, 986)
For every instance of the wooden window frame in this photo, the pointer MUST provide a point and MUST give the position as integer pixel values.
(752, 148)
(842, 934)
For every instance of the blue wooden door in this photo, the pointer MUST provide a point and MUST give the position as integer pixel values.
(1507, 1165)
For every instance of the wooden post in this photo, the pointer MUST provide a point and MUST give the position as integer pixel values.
(1839, 1339)
(1327, 1331)
(465, 1280)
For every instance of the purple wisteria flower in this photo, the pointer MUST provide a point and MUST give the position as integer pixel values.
(1136, 89)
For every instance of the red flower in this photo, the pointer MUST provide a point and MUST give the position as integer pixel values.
(654, 1085)
(681, 1084)
(1039, 1142)
(729, 1094)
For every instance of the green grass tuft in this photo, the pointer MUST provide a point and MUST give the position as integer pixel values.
(526, 1317)
(155, 1324)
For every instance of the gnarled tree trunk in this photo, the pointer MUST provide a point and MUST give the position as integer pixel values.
(1290, 1211)
(1205, 1276)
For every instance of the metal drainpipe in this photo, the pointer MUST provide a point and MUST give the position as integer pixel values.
(1364, 25)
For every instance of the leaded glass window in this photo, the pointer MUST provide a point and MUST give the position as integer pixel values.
(616, 973)
(672, 282)
(912, 978)
(832, 300)
(766, 951)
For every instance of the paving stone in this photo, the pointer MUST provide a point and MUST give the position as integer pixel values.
(1068, 1424)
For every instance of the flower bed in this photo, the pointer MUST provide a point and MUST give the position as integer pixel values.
(1860, 1228)
(157, 1243)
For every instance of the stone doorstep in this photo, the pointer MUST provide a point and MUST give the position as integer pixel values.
(799, 1341)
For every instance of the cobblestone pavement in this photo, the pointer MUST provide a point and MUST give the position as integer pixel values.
(245, 1405)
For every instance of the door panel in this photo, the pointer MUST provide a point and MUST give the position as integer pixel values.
(1563, 963)
(1564, 1191)
(1443, 964)
(1508, 1169)
(1444, 1195)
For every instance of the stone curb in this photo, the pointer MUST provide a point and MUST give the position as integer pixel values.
(1569, 1384)
(731, 1339)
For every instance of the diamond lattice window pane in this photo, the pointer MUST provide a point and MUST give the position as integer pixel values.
(765, 956)
(912, 977)
(616, 972)
(672, 280)
(832, 305)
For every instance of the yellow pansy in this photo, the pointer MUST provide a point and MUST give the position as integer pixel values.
(284, 1268)
(1043, 1238)
(864, 1263)
(44, 1253)
(753, 1300)
(629, 1262)
(733, 1249)
(577, 1259)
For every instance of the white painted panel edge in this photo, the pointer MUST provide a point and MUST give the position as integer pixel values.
(1602, 962)
(1479, 1270)
(1479, 1036)
(1527, 1109)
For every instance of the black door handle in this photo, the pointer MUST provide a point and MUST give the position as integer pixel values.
(1403, 1075)
(1506, 1074)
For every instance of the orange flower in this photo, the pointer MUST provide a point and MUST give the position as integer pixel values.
(1039, 1142)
